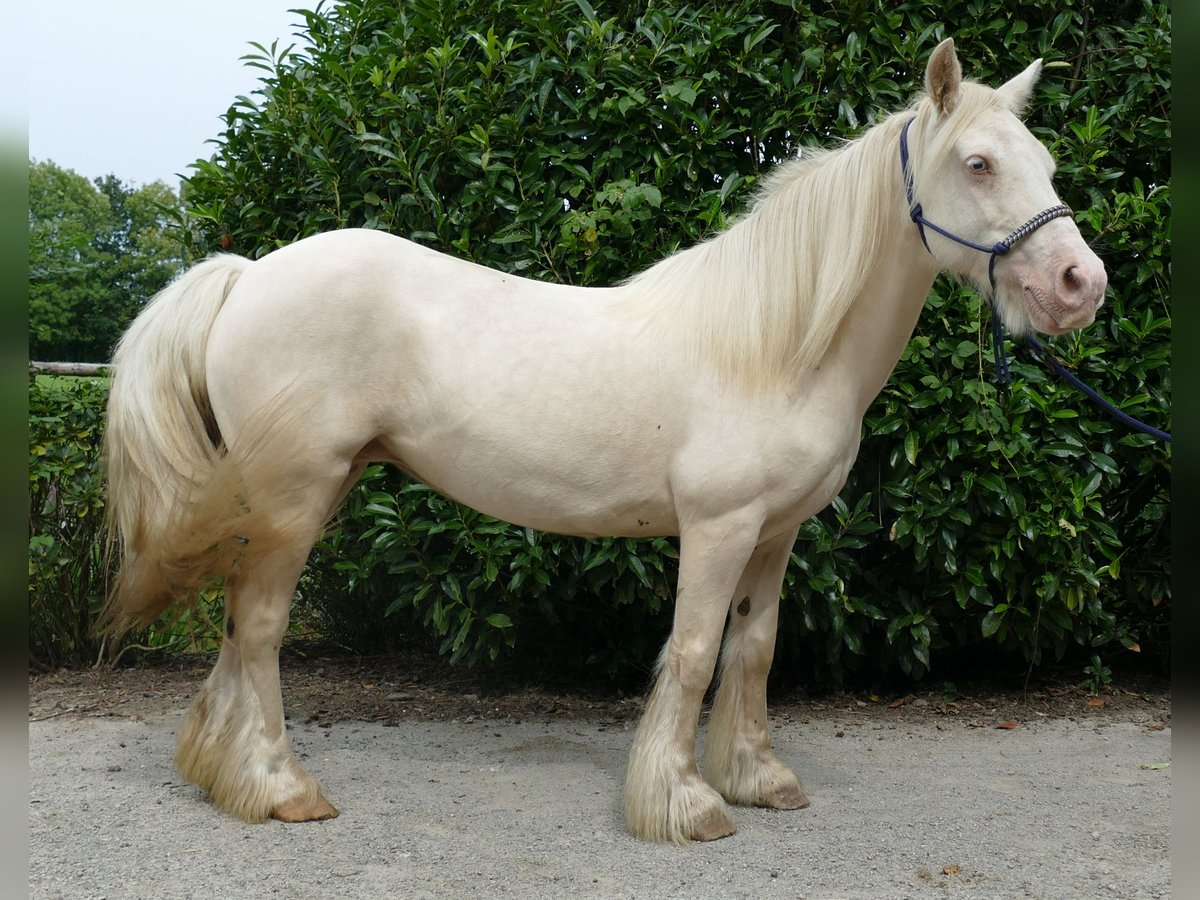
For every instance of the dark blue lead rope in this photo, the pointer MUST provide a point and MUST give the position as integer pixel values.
(1003, 377)
(1003, 373)
(1046, 358)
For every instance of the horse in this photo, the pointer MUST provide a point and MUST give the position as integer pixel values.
(717, 396)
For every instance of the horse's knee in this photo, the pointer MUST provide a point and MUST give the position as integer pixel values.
(692, 662)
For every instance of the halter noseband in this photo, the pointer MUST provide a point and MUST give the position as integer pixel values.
(999, 248)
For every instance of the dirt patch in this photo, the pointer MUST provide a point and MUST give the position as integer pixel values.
(324, 686)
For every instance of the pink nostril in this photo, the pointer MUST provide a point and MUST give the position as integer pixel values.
(1082, 285)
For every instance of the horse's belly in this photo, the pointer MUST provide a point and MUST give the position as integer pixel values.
(545, 485)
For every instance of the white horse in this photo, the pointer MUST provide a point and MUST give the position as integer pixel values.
(717, 396)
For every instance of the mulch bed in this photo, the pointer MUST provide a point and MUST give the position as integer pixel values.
(326, 685)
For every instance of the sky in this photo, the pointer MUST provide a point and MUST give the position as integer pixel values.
(135, 88)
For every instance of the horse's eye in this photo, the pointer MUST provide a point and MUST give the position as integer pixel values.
(978, 165)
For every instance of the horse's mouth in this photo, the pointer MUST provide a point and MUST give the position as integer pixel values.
(1048, 314)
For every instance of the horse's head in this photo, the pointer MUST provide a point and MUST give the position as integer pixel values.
(980, 175)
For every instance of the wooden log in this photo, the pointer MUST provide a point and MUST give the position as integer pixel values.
(68, 368)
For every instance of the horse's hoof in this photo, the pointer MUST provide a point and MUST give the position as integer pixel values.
(304, 809)
(789, 797)
(714, 826)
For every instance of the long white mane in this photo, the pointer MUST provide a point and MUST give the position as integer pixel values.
(763, 300)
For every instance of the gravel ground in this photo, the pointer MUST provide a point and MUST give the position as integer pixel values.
(907, 801)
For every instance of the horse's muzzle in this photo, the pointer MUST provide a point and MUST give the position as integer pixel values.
(1071, 301)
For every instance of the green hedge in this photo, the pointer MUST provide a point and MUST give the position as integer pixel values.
(576, 142)
(66, 512)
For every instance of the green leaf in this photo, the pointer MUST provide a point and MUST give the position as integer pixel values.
(991, 623)
(639, 569)
(682, 90)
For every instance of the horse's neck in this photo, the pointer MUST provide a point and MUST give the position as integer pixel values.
(875, 330)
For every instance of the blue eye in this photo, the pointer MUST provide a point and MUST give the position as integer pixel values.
(978, 165)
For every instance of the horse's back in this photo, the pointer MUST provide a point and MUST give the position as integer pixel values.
(355, 307)
(358, 278)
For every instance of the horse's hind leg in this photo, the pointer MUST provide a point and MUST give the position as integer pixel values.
(739, 761)
(233, 741)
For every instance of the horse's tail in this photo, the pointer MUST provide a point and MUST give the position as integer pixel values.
(162, 446)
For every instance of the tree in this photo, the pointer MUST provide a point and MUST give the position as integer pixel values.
(577, 141)
(97, 252)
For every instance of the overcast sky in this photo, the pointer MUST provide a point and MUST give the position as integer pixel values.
(135, 88)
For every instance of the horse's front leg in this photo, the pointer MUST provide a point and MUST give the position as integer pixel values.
(666, 799)
(738, 759)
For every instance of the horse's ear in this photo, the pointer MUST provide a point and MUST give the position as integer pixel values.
(943, 77)
(1016, 93)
